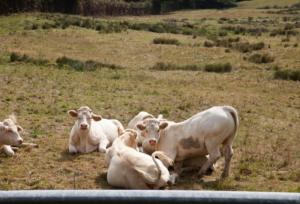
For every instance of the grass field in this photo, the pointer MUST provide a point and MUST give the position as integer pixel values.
(267, 153)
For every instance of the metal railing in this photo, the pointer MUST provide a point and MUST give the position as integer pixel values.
(146, 196)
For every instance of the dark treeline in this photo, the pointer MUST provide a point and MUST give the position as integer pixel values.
(109, 7)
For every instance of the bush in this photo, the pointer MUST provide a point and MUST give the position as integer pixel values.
(208, 43)
(167, 41)
(89, 65)
(219, 68)
(168, 67)
(261, 58)
(287, 75)
(75, 64)
(15, 57)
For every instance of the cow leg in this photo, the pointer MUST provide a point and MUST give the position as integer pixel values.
(228, 153)
(72, 149)
(8, 150)
(103, 144)
(174, 174)
(214, 155)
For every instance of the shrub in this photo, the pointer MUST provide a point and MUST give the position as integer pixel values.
(75, 64)
(15, 57)
(88, 65)
(167, 41)
(219, 68)
(287, 75)
(208, 43)
(261, 58)
(168, 67)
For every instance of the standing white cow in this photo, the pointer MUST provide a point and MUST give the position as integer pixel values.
(147, 127)
(201, 135)
(91, 132)
(10, 135)
(128, 168)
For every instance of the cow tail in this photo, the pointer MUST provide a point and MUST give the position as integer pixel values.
(154, 154)
(233, 112)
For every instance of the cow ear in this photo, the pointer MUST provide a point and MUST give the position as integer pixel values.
(141, 126)
(19, 128)
(73, 113)
(96, 117)
(163, 125)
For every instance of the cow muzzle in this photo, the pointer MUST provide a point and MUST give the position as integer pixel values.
(152, 142)
(83, 126)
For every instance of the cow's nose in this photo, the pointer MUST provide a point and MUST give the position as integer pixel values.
(20, 141)
(152, 142)
(83, 126)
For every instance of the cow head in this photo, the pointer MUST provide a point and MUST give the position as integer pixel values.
(84, 117)
(129, 138)
(10, 133)
(150, 132)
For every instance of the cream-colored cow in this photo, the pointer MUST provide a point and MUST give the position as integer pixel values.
(202, 135)
(10, 135)
(91, 132)
(147, 127)
(128, 168)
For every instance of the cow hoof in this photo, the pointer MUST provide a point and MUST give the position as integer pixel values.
(209, 171)
(10, 153)
(101, 150)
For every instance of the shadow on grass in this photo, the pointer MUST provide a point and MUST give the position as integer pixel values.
(66, 156)
(101, 181)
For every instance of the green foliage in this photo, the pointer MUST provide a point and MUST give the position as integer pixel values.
(167, 41)
(261, 58)
(15, 57)
(287, 75)
(88, 65)
(112, 8)
(219, 68)
(169, 67)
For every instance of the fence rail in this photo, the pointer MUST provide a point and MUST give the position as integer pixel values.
(146, 196)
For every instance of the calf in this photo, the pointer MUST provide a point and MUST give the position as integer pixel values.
(91, 132)
(10, 135)
(128, 168)
(201, 135)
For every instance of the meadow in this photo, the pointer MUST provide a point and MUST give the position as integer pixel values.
(121, 65)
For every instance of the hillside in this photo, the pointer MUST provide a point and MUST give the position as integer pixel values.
(176, 64)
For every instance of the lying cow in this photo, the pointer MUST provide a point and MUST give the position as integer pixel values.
(202, 134)
(128, 168)
(10, 135)
(147, 127)
(91, 132)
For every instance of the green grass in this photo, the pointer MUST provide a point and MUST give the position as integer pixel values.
(266, 148)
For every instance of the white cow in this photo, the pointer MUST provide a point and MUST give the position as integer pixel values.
(91, 132)
(10, 135)
(128, 168)
(147, 127)
(201, 135)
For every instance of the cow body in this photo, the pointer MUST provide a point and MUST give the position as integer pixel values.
(90, 134)
(202, 134)
(128, 168)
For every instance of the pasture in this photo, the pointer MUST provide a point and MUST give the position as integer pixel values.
(267, 150)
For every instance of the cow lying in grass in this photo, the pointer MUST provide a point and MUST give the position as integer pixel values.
(91, 132)
(10, 138)
(128, 168)
(10, 135)
(199, 136)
